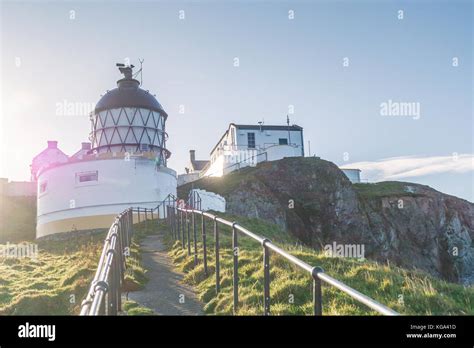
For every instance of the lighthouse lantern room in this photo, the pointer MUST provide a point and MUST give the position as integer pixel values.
(129, 119)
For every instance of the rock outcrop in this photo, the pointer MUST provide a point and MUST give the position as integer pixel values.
(410, 225)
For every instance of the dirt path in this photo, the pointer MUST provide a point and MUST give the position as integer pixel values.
(165, 291)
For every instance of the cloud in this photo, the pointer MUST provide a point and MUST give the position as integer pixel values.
(395, 168)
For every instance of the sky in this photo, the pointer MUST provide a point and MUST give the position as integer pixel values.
(330, 65)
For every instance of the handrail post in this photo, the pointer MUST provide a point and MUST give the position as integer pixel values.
(170, 209)
(118, 280)
(152, 215)
(216, 240)
(119, 265)
(317, 292)
(129, 221)
(127, 230)
(188, 234)
(146, 218)
(112, 294)
(130, 232)
(175, 223)
(182, 229)
(170, 220)
(204, 247)
(178, 227)
(195, 238)
(235, 252)
(103, 307)
(169, 200)
(266, 277)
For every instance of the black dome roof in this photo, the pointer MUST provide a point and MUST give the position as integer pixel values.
(128, 94)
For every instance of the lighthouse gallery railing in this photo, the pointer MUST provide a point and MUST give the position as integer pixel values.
(104, 296)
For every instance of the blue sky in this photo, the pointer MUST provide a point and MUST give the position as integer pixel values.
(283, 62)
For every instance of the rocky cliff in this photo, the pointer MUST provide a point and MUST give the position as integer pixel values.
(410, 225)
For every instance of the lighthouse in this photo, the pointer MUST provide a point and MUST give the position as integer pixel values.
(124, 165)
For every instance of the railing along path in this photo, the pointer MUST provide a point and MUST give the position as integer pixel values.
(104, 296)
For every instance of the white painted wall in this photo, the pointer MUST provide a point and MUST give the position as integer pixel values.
(211, 200)
(120, 184)
(264, 139)
(277, 152)
(189, 177)
(230, 159)
(47, 157)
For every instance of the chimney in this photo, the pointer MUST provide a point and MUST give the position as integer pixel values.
(86, 146)
(192, 155)
(52, 144)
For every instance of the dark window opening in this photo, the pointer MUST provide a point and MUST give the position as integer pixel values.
(92, 176)
(251, 140)
(283, 141)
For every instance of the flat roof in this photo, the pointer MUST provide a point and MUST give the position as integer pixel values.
(294, 127)
(263, 127)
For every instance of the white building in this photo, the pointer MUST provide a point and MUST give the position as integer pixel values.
(194, 169)
(247, 145)
(51, 155)
(209, 200)
(353, 174)
(124, 166)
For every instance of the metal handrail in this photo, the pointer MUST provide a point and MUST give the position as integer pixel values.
(178, 218)
(194, 200)
(104, 295)
(110, 272)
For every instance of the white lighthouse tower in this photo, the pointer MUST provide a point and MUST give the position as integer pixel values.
(126, 165)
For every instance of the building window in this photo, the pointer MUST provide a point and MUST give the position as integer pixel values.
(232, 136)
(251, 140)
(283, 141)
(43, 187)
(87, 176)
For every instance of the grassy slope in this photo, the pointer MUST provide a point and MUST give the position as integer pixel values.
(54, 283)
(408, 292)
(57, 281)
(383, 189)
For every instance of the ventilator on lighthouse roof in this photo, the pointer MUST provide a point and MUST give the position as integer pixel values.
(129, 119)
